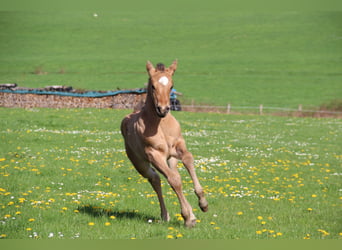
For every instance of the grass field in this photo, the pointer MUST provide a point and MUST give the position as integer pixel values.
(279, 59)
(64, 175)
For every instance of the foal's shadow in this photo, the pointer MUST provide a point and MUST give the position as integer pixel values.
(96, 211)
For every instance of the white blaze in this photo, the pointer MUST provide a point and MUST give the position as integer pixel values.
(163, 80)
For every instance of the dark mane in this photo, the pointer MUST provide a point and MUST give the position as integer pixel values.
(160, 67)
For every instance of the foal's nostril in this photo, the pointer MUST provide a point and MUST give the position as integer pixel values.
(162, 111)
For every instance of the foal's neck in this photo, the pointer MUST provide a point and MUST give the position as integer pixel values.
(149, 111)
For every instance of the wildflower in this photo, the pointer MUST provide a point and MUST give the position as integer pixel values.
(3, 235)
(107, 224)
(279, 234)
(212, 223)
(239, 213)
(179, 235)
(314, 195)
(91, 224)
(307, 237)
(310, 209)
(28, 229)
(31, 220)
(260, 218)
(325, 233)
(258, 232)
(50, 235)
(112, 217)
(263, 223)
(169, 236)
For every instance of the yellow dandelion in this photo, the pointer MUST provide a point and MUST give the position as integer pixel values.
(307, 237)
(314, 195)
(258, 232)
(28, 229)
(279, 234)
(263, 223)
(91, 224)
(310, 209)
(179, 235)
(169, 236)
(259, 217)
(112, 217)
(212, 223)
(239, 213)
(107, 224)
(31, 220)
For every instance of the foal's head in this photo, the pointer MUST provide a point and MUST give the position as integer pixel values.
(160, 85)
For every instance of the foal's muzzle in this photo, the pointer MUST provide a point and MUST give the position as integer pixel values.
(162, 111)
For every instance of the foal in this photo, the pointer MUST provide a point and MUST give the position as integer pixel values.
(153, 136)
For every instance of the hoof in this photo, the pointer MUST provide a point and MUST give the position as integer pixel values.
(165, 217)
(190, 223)
(204, 206)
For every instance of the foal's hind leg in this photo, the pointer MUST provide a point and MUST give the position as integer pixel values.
(146, 171)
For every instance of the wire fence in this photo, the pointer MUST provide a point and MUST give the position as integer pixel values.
(261, 109)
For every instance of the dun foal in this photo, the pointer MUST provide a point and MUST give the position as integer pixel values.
(153, 136)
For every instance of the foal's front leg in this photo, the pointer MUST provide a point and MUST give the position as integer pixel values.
(188, 161)
(172, 175)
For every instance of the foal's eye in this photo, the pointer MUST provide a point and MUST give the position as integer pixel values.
(153, 87)
(171, 87)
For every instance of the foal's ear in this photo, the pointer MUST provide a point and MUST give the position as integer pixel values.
(173, 67)
(149, 67)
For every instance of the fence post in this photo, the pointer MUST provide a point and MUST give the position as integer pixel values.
(260, 109)
(300, 108)
(228, 108)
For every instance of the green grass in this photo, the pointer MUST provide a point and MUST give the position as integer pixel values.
(64, 174)
(279, 59)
